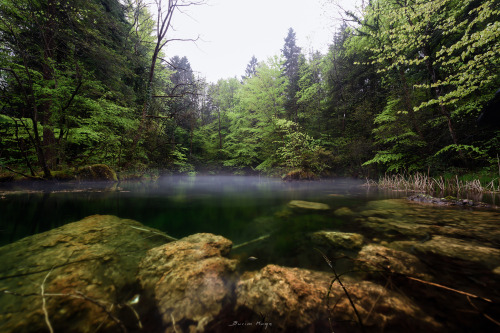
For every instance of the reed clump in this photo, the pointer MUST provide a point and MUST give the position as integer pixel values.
(419, 182)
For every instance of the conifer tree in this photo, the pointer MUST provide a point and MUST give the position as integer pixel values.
(291, 54)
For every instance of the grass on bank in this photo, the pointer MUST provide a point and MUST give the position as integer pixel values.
(420, 182)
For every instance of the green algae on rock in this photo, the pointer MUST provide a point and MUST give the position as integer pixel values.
(190, 282)
(80, 265)
(100, 172)
(301, 205)
(337, 239)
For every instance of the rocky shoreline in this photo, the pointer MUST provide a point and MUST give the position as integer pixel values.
(449, 201)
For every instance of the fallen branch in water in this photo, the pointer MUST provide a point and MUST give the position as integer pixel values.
(44, 308)
(481, 312)
(170, 238)
(448, 288)
(337, 278)
(388, 273)
(251, 241)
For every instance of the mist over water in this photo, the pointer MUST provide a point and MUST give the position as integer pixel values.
(269, 224)
(178, 205)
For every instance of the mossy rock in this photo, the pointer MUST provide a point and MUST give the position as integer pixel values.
(100, 172)
(64, 174)
(300, 174)
(300, 205)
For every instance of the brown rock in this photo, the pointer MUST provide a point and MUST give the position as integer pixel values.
(190, 282)
(294, 299)
(377, 257)
(460, 249)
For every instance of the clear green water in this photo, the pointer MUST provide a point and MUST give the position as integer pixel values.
(228, 206)
(466, 257)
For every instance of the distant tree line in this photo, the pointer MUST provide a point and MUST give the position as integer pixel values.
(399, 90)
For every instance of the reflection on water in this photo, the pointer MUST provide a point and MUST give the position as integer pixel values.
(179, 206)
(368, 234)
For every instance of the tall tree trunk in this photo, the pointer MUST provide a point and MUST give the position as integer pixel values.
(442, 108)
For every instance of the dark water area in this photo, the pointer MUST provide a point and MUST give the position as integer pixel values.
(179, 206)
(445, 260)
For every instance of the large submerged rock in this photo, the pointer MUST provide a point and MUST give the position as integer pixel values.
(190, 281)
(293, 299)
(461, 250)
(399, 218)
(337, 239)
(108, 274)
(300, 205)
(376, 259)
(86, 270)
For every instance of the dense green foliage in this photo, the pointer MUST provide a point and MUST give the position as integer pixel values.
(85, 82)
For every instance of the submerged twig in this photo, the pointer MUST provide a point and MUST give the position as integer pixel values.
(252, 241)
(448, 288)
(481, 312)
(337, 278)
(103, 307)
(78, 294)
(44, 308)
(170, 238)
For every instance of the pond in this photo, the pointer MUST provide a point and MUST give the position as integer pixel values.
(444, 261)
(225, 205)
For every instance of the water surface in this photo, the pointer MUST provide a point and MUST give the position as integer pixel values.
(180, 206)
(456, 248)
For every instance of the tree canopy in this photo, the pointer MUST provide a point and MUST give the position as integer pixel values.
(399, 90)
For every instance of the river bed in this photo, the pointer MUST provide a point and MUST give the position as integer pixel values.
(446, 260)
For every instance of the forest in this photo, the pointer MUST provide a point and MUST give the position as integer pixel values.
(407, 87)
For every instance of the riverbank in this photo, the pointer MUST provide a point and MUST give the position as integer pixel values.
(419, 182)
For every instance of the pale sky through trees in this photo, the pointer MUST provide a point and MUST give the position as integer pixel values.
(231, 31)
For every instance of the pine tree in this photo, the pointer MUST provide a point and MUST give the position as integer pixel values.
(291, 53)
(251, 69)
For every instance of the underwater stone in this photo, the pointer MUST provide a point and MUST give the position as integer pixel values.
(96, 257)
(337, 239)
(448, 201)
(189, 281)
(307, 205)
(376, 257)
(460, 249)
(343, 211)
(293, 299)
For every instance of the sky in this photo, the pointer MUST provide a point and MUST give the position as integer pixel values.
(232, 31)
